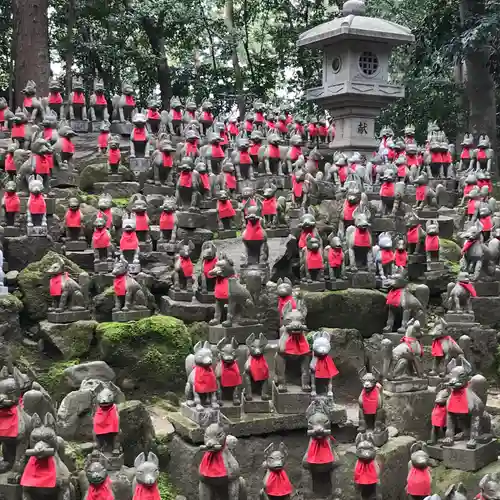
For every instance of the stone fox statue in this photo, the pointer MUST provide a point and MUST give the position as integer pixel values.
(129, 293)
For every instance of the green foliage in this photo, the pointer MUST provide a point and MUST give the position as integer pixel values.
(52, 380)
(166, 488)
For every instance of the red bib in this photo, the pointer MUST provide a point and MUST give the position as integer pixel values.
(141, 222)
(323, 131)
(303, 237)
(314, 259)
(401, 258)
(107, 216)
(233, 129)
(100, 100)
(325, 368)
(248, 126)
(409, 342)
(17, 131)
(186, 179)
(245, 158)
(468, 188)
(114, 156)
(254, 149)
(467, 245)
(191, 149)
(167, 221)
(78, 98)
(282, 126)
(28, 102)
(297, 187)
(120, 285)
(278, 484)
(40, 473)
(36, 204)
(289, 119)
(421, 192)
(370, 400)
(230, 180)
(471, 207)
(225, 209)
(365, 473)
(481, 154)
(253, 232)
(335, 257)
(55, 287)
(469, 287)
(129, 241)
(106, 420)
(320, 451)
(419, 482)
(186, 266)
(412, 235)
(259, 370)
(312, 129)
(102, 491)
(299, 129)
(130, 101)
(73, 218)
(67, 146)
(191, 114)
(144, 492)
(269, 206)
(47, 134)
(11, 202)
(42, 164)
(153, 115)
(402, 171)
(457, 402)
(387, 256)
(436, 157)
(387, 190)
(343, 177)
(486, 223)
(295, 152)
(223, 136)
(221, 291)
(102, 139)
(205, 181)
(10, 166)
(394, 297)
(217, 151)
(438, 416)
(101, 238)
(412, 160)
(296, 344)
(139, 134)
(55, 98)
(465, 155)
(168, 161)
(208, 265)
(282, 301)
(9, 423)
(207, 116)
(431, 243)
(259, 117)
(230, 374)
(348, 210)
(176, 115)
(212, 464)
(273, 151)
(437, 347)
(204, 380)
(362, 238)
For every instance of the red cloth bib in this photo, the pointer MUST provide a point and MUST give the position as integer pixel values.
(100, 100)
(186, 179)
(114, 156)
(295, 152)
(106, 214)
(42, 165)
(394, 297)
(269, 206)
(259, 117)
(9, 423)
(223, 136)
(67, 146)
(11, 202)
(153, 115)
(102, 139)
(139, 134)
(56, 285)
(221, 291)
(323, 131)
(348, 210)
(130, 101)
(245, 158)
(73, 218)
(10, 166)
(212, 464)
(343, 177)
(248, 126)
(208, 265)
(421, 192)
(230, 180)
(101, 491)
(362, 238)
(457, 402)
(296, 344)
(314, 260)
(486, 223)
(204, 380)
(141, 222)
(225, 209)
(387, 190)
(144, 492)
(78, 98)
(289, 119)
(129, 241)
(230, 374)
(465, 155)
(401, 259)
(325, 367)
(335, 257)
(437, 346)
(438, 416)
(253, 232)
(412, 235)
(278, 484)
(191, 114)
(205, 181)
(282, 126)
(297, 187)
(40, 473)
(254, 149)
(419, 482)
(167, 221)
(55, 98)
(431, 243)
(481, 154)
(36, 204)
(259, 370)
(282, 301)
(436, 157)
(191, 149)
(409, 342)
(469, 287)
(120, 285)
(101, 238)
(168, 161)
(370, 400)
(402, 170)
(365, 473)
(312, 129)
(176, 115)
(467, 245)
(217, 151)
(186, 266)
(17, 131)
(387, 256)
(207, 116)
(299, 129)
(412, 161)
(273, 151)
(320, 451)
(47, 133)
(106, 420)
(233, 129)
(468, 188)
(471, 207)
(28, 102)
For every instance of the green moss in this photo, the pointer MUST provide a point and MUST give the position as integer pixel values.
(450, 251)
(51, 381)
(74, 451)
(166, 488)
(11, 303)
(198, 331)
(121, 202)
(454, 267)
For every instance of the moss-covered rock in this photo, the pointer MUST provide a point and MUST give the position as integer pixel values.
(98, 172)
(152, 350)
(166, 488)
(52, 380)
(450, 251)
(10, 307)
(363, 310)
(34, 285)
(198, 331)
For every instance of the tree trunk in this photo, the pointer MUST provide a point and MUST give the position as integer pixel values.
(32, 46)
(480, 86)
(69, 45)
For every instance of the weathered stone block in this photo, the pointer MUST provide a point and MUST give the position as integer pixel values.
(460, 457)
(133, 315)
(187, 311)
(239, 332)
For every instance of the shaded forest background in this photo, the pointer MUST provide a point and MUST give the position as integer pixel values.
(236, 50)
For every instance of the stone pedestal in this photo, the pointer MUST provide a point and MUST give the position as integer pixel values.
(226, 234)
(134, 268)
(262, 180)
(487, 288)
(315, 286)
(180, 295)
(295, 400)
(294, 213)
(435, 451)
(80, 126)
(205, 297)
(64, 178)
(460, 319)
(37, 231)
(203, 418)
(428, 213)
(11, 231)
(337, 285)
(460, 457)
(121, 128)
(239, 332)
(103, 266)
(230, 411)
(95, 126)
(8, 490)
(139, 165)
(279, 232)
(115, 178)
(192, 220)
(361, 279)
(187, 311)
(257, 405)
(383, 224)
(145, 246)
(167, 247)
(161, 190)
(75, 245)
(409, 385)
(132, 315)
(68, 316)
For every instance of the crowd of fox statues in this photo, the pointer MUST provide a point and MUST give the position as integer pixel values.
(257, 178)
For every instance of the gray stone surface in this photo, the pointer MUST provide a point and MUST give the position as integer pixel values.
(239, 332)
(460, 457)
(68, 316)
(294, 400)
(134, 315)
(100, 370)
(487, 310)
(410, 385)
(84, 258)
(23, 250)
(117, 189)
(187, 311)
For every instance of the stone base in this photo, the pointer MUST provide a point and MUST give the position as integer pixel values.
(145, 246)
(80, 126)
(337, 285)
(76, 245)
(487, 288)
(64, 178)
(205, 298)
(9, 491)
(133, 315)
(68, 316)
(435, 451)
(117, 189)
(230, 411)
(187, 311)
(383, 224)
(95, 126)
(226, 234)
(279, 232)
(416, 258)
(262, 180)
(428, 213)
(115, 177)
(435, 266)
(434, 380)
(139, 165)
(121, 128)
(454, 318)
(161, 190)
(315, 286)
(295, 400)
(103, 266)
(361, 279)
(294, 213)
(180, 295)
(36, 231)
(134, 268)
(166, 247)
(11, 232)
(460, 457)
(239, 332)
(257, 406)
(192, 220)
(410, 385)
(203, 418)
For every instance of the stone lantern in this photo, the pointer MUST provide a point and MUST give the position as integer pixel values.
(356, 83)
